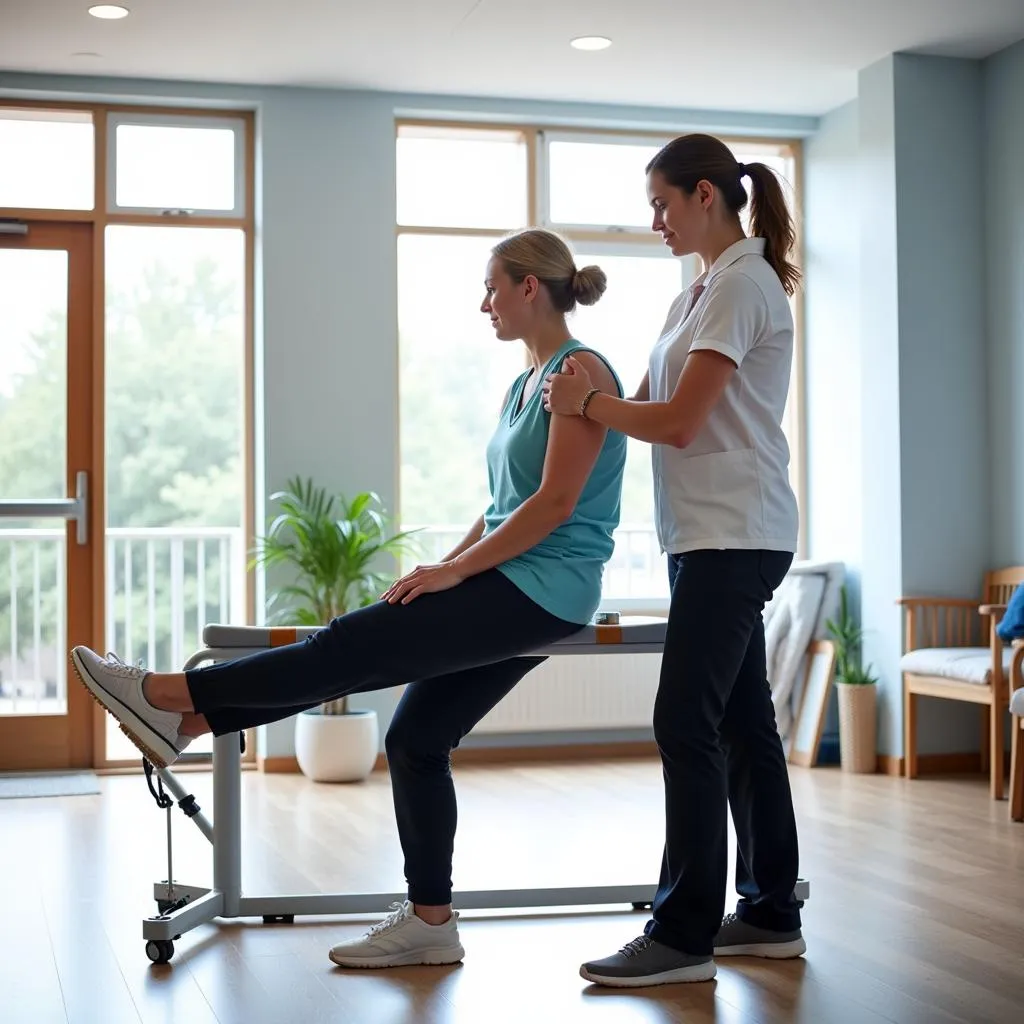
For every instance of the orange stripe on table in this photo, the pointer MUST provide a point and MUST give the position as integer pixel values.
(282, 636)
(608, 634)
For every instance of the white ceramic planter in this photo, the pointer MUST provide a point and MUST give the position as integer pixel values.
(336, 748)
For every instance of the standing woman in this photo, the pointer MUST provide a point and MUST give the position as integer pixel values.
(711, 406)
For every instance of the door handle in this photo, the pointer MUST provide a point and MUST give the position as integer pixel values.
(76, 508)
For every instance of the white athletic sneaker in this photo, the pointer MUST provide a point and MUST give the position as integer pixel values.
(402, 939)
(118, 688)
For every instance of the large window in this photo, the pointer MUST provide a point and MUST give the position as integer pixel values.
(459, 190)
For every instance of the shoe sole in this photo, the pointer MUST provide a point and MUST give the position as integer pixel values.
(436, 957)
(768, 950)
(681, 975)
(154, 747)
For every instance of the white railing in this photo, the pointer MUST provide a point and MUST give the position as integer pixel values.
(634, 576)
(202, 569)
(33, 672)
(163, 585)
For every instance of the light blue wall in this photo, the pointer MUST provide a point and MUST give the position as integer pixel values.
(896, 360)
(327, 352)
(1004, 222)
(329, 358)
(942, 348)
(942, 351)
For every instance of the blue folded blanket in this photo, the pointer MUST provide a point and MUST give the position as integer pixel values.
(1012, 626)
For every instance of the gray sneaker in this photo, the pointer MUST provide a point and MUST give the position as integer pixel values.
(645, 962)
(737, 938)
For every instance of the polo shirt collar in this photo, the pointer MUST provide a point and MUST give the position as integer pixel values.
(744, 247)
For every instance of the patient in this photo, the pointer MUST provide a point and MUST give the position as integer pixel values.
(461, 632)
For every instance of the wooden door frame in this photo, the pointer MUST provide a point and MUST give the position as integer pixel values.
(67, 741)
(99, 217)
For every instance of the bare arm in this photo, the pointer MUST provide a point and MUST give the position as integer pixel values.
(572, 450)
(677, 421)
(476, 531)
(734, 316)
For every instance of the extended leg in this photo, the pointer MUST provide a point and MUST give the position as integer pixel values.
(484, 620)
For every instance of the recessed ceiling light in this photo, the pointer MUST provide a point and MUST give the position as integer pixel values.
(591, 43)
(109, 12)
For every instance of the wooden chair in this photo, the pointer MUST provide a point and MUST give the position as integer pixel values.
(952, 650)
(1017, 736)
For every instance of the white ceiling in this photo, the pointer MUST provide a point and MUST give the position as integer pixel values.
(779, 56)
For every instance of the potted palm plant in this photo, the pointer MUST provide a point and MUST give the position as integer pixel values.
(857, 694)
(333, 549)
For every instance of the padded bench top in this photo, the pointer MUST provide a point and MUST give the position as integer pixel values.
(631, 629)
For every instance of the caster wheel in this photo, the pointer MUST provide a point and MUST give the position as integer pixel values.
(641, 906)
(160, 951)
(279, 919)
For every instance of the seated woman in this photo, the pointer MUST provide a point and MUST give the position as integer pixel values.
(461, 632)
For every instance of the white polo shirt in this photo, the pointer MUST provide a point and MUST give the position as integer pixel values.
(730, 487)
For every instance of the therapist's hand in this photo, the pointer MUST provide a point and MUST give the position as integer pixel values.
(563, 392)
(424, 579)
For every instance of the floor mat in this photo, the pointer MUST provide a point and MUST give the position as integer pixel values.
(21, 785)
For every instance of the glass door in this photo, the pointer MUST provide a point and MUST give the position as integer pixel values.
(47, 523)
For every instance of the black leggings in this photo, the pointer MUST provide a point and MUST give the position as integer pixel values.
(461, 649)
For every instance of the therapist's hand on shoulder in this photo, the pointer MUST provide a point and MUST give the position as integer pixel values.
(424, 579)
(565, 391)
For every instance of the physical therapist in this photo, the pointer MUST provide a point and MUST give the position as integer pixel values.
(711, 406)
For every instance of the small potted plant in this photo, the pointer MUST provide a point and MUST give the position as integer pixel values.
(857, 694)
(333, 548)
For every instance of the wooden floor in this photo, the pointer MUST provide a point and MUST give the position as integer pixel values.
(916, 914)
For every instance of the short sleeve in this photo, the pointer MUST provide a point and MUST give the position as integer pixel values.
(733, 316)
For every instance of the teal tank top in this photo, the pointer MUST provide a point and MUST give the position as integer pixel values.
(563, 572)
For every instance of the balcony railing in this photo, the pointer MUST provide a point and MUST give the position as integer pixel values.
(162, 586)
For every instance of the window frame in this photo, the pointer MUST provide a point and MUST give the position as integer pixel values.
(430, 128)
(630, 241)
(239, 126)
(38, 110)
(631, 232)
